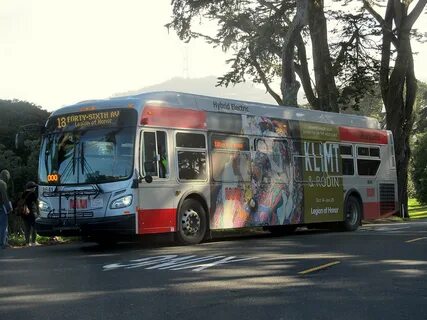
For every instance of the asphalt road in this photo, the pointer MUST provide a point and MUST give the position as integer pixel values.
(378, 272)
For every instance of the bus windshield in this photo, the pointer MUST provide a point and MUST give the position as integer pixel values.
(87, 156)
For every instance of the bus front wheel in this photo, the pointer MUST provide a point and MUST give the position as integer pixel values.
(353, 214)
(192, 224)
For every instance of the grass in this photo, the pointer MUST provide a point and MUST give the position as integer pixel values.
(18, 240)
(416, 210)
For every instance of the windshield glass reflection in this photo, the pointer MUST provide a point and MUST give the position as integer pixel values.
(88, 156)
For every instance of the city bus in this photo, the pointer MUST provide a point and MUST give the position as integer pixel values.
(170, 162)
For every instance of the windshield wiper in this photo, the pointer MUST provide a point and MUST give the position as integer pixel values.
(85, 165)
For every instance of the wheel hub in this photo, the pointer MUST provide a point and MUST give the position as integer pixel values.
(190, 222)
(352, 213)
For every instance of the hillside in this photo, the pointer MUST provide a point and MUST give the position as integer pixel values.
(14, 114)
(206, 86)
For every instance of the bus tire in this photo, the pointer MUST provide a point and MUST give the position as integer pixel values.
(192, 223)
(353, 214)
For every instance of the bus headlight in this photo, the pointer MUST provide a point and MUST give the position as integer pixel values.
(43, 206)
(122, 202)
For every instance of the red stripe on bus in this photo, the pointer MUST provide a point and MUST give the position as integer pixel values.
(371, 211)
(363, 135)
(173, 117)
(156, 221)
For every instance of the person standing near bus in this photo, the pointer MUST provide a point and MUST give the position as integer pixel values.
(30, 199)
(5, 207)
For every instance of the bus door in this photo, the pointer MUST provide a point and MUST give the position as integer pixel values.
(157, 200)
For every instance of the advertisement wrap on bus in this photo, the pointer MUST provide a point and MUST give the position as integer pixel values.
(175, 162)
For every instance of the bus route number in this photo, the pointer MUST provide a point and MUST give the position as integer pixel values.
(62, 122)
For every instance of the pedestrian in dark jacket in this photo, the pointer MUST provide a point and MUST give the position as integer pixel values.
(5, 207)
(30, 197)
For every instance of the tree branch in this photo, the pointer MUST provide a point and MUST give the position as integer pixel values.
(304, 74)
(268, 5)
(384, 26)
(264, 79)
(415, 13)
(337, 65)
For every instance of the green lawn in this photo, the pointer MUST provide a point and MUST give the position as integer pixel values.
(416, 210)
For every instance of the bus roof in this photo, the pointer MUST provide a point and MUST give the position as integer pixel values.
(223, 105)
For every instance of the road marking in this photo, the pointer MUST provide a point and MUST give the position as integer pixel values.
(323, 266)
(175, 262)
(413, 240)
(385, 228)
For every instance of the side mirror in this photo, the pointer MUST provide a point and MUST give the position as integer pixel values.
(136, 182)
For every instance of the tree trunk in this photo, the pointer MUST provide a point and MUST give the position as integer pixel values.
(327, 91)
(399, 103)
(399, 88)
(289, 85)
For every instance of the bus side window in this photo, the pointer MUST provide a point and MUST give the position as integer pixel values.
(155, 154)
(149, 154)
(191, 154)
(368, 161)
(162, 149)
(347, 162)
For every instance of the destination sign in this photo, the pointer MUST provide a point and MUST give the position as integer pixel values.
(229, 143)
(88, 119)
(91, 119)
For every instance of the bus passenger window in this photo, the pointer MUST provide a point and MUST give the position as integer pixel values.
(155, 154)
(366, 167)
(347, 167)
(368, 161)
(192, 165)
(163, 154)
(363, 151)
(374, 152)
(191, 154)
(149, 153)
(347, 162)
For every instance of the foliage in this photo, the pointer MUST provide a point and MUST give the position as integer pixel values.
(260, 33)
(420, 121)
(419, 168)
(22, 164)
(15, 114)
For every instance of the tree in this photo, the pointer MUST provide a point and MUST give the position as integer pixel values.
(420, 120)
(398, 83)
(419, 168)
(268, 44)
(264, 40)
(22, 164)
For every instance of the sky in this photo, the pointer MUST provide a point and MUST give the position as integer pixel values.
(57, 52)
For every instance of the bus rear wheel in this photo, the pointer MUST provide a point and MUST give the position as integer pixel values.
(192, 223)
(353, 214)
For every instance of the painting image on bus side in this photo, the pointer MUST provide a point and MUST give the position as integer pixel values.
(322, 177)
(256, 187)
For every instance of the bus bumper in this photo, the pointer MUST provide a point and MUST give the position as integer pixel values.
(116, 225)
